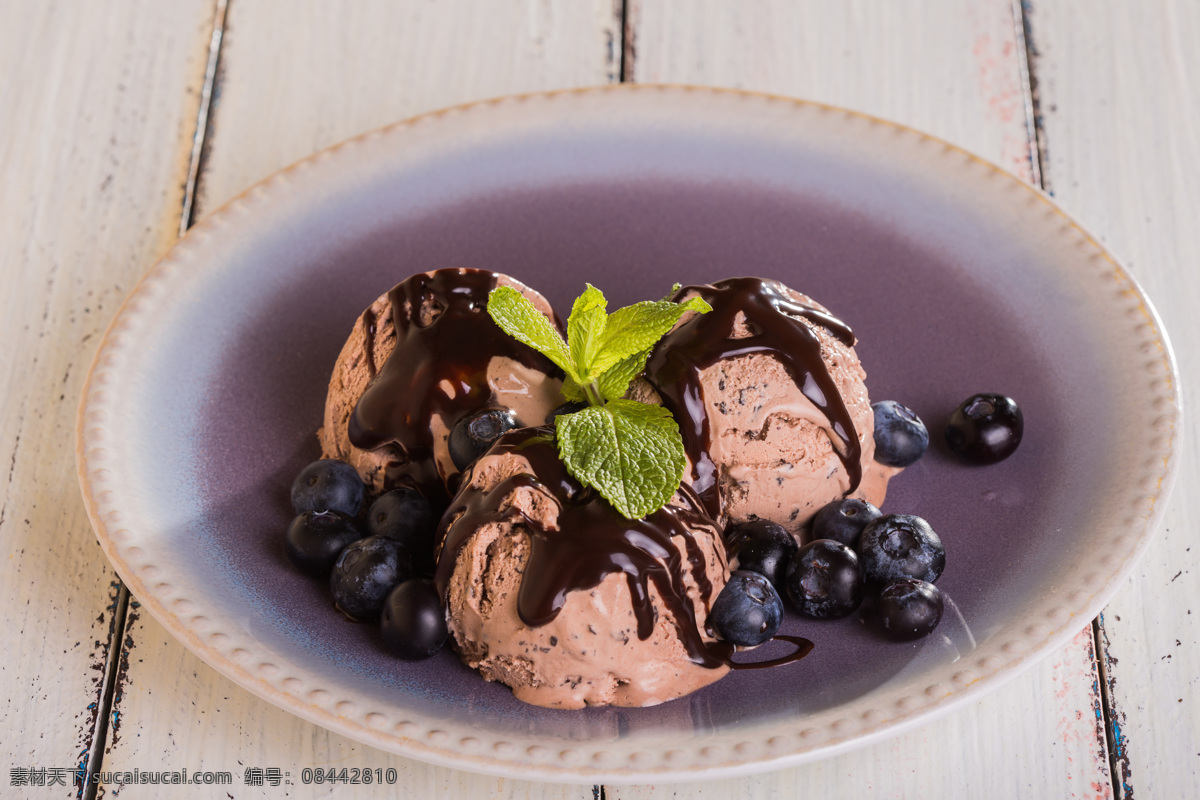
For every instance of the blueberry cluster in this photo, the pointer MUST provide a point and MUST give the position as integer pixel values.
(378, 558)
(855, 549)
(852, 548)
(377, 563)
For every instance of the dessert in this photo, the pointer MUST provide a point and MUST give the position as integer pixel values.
(589, 562)
(772, 404)
(424, 356)
(552, 592)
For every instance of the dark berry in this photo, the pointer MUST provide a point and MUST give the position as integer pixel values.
(748, 610)
(328, 484)
(404, 515)
(364, 574)
(900, 436)
(909, 609)
(844, 520)
(473, 435)
(413, 623)
(900, 546)
(315, 539)
(825, 581)
(565, 408)
(985, 429)
(761, 546)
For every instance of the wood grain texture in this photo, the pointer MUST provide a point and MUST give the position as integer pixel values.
(96, 109)
(952, 70)
(295, 78)
(1121, 116)
(353, 67)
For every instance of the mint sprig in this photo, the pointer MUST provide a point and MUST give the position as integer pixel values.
(630, 452)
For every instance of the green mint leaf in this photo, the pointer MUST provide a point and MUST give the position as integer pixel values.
(517, 317)
(572, 391)
(585, 326)
(630, 452)
(635, 328)
(614, 383)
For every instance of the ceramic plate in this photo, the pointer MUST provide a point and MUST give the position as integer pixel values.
(206, 393)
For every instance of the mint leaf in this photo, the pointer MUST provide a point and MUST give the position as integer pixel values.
(572, 391)
(630, 452)
(636, 328)
(614, 383)
(517, 317)
(585, 326)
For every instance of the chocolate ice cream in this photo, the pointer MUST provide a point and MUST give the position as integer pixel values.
(422, 357)
(771, 401)
(552, 592)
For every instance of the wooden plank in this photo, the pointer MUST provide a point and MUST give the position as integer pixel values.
(1119, 103)
(359, 66)
(96, 112)
(953, 70)
(349, 68)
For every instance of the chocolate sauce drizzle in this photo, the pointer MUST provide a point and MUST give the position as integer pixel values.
(591, 540)
(803, 648)
(774, 319)
(444, 342)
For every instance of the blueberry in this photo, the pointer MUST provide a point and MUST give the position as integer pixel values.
(404, 515)
(748, 610)
(909, 609)
(900, 546)
(565, 408)
(825, 581)
(761, 546)
(986, 428)
(364, 574)
(844, 520)
(328, 484)
(473, 435)
(413, 623)
(316, 538)
(900, 436)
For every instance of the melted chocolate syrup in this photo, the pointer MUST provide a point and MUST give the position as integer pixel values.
(592, 540)
(774, 319)
(803, 648)
(444, 342)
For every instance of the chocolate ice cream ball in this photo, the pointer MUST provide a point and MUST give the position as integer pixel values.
(552, 592)
(771, 401)
(423, 357)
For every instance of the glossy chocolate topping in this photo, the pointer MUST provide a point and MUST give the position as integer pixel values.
(803, 648)
(590, 541)
(774, 319)
(444, 342)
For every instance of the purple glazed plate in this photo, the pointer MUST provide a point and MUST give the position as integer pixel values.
(205, 395)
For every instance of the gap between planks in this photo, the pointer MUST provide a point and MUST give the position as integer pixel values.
(1118, 761)
(94, 758)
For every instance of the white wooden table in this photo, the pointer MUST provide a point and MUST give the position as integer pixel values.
(123, 121)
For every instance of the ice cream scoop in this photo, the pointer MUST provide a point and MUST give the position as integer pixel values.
(771, 402)
(420, 359)
(552, 592)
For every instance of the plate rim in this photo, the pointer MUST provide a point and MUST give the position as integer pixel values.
(703, 762)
